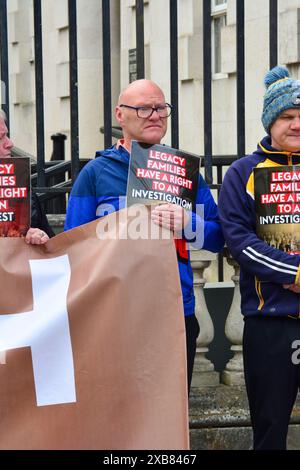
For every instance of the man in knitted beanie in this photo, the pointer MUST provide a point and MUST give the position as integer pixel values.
(282, 93)
(270, 265)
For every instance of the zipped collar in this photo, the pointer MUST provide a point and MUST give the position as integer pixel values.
(286, 158)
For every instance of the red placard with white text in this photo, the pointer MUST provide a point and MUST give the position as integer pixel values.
(14, 196)
(160, 174)
(277, 202)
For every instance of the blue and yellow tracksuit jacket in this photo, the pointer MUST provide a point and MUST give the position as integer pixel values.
(264, 269)
(101, 188)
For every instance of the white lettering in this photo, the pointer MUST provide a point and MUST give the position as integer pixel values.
(46, 331)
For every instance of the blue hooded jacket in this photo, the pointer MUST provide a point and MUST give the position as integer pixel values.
(101, 187)
(264, 269)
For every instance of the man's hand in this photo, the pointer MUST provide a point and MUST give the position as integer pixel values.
(170, 216)
(292, 287)
(35, 236)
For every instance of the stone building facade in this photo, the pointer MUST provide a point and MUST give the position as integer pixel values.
(157, 59)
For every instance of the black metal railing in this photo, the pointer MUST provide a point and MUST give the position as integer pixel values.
(42, 179)
(106, 73)
(240, 79)
(4, 58)
(39, 92)
(174, 73)
(53, 180)
(140, 45)
(72, 9)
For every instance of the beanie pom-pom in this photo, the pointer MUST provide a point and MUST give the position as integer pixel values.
(277, 73)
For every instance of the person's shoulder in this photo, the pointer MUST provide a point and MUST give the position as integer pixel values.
(110, 157)
(240, 170)
(96, 164)
(114, 153)
(202, 183)
(106, 153)
(247, 161)
(105, 164)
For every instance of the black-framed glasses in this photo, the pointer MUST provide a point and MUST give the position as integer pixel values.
(145, 112)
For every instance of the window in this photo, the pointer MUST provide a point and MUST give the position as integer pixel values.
(218, 5)
(218, 13)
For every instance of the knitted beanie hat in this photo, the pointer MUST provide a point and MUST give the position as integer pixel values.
(282, 92)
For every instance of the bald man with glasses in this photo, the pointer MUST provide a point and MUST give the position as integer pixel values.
(145, 112)
(142, 113)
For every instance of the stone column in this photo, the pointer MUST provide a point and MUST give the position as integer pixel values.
(204, 373)
(234, 370)
(2, 357)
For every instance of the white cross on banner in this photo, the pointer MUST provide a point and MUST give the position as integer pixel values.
(94, 342)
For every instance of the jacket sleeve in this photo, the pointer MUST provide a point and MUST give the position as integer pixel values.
(38, 216)
(204, 231)
(237, 215)
(82, 203)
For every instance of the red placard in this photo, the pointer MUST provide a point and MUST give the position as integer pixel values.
(14, 196)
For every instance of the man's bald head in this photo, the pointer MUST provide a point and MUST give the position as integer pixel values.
(138, 88)
(141, 94)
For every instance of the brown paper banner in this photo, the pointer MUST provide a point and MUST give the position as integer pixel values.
(95, 359)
